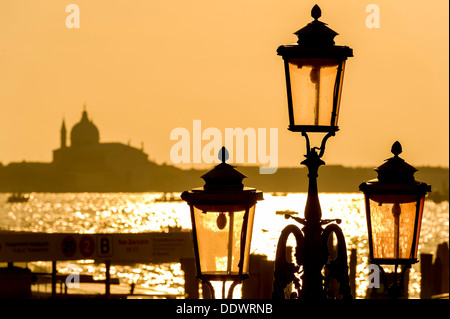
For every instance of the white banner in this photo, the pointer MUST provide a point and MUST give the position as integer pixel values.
(154, 247)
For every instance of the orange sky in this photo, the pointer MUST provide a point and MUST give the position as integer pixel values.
(146, 67)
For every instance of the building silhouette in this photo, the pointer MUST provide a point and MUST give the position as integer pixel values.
(89, 164)
(83, 165)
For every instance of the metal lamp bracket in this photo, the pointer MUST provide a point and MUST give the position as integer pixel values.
(310, 150)
(337, 269)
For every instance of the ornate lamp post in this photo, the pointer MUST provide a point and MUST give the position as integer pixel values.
(314, 69)
(394, 207)
(222, 214)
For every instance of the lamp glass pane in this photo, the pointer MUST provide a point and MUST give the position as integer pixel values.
(392, 220)
(219, 229)
(248, 238)
(313, 86)
(419, 224)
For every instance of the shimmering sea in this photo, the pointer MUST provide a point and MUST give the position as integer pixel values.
(142, 212)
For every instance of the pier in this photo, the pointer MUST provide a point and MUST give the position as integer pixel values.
(124, 248)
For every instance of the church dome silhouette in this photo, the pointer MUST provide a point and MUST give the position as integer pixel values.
(84, 132)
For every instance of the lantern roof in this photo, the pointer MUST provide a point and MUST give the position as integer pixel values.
(395, 169)
(223, 177)
(395, 175)
(316, 32)
(223, 185)
(315, 40)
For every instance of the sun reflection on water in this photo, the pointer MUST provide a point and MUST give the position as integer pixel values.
(141, 212)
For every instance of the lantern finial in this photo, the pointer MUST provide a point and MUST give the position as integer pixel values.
(316, 13)
(396, 148)
(223, 155)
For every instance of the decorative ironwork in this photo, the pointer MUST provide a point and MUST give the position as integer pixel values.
(317, 273)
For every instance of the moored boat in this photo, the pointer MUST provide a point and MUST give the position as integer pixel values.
(18, 198)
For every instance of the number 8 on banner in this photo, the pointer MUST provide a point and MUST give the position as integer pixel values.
(104, 244)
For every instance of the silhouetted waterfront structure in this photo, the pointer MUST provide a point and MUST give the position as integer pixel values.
(89, 164)
(83, 163)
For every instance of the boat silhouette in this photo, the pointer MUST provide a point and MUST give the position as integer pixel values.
(18, 198)
(168, 197)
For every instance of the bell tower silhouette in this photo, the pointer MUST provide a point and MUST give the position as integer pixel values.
(63, 135)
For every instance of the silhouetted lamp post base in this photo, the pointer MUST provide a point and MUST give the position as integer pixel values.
(314, 70)
(312, 247)
(394, 287)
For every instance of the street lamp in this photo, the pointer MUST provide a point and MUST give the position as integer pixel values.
(394, 208)
(222, 214)
(314, 69)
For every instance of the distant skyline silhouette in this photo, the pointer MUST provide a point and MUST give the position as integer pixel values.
(144, 68)
(84, 162)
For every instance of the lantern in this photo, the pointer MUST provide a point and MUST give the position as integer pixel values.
(314, 69)
(394, 208)
(222, 214)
